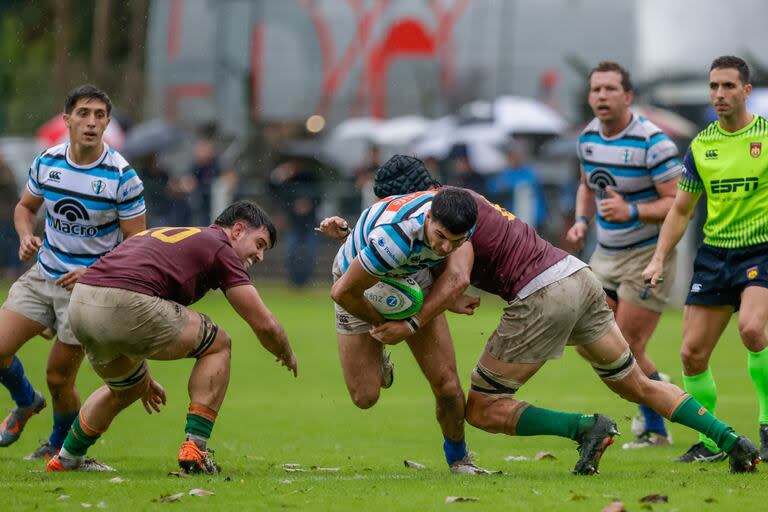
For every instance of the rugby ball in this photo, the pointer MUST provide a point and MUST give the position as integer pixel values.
(396, 297)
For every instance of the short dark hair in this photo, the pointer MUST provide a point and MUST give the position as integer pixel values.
(607, 65)
(402, 174)
(454, 208)
(729, 61)
(250, 213)
(86, 91)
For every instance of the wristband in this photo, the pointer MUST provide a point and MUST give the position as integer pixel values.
(633, 213)
(413, 323)
(582, 219)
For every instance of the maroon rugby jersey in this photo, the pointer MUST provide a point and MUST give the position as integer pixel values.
(178, 264)
(508, 252)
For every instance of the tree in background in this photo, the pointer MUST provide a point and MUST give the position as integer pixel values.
(49, 46)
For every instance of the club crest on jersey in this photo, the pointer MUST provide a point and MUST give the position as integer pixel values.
(98, 186)
(626, 155)
(755, 148)
(752, 272)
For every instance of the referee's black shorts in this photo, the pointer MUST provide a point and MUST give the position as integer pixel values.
(720, 275)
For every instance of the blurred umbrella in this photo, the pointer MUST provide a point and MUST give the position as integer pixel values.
(400, 131)
(671, 123)
(482, 140)
(55, 132)
(515, 115)
(356, 128)
(154, 136)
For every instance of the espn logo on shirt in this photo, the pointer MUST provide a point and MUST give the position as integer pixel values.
(733, 185)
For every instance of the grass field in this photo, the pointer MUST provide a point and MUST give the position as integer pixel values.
(270, 419)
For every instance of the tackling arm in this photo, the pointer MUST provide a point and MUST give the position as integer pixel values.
(247, 302)
(450, 284)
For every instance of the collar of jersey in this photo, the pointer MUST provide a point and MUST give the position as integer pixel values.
(90, 165)
(738, 132)
(621, 133)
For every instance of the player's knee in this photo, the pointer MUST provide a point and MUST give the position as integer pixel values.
(448, 387)
(364, 398)
(213, 340)
(695, 360)
(59, 379)
(618, 370)
(752, 334)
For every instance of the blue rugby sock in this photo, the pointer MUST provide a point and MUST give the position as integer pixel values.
(654, 422)
(16, 382)
(454, 450)
(62, 422)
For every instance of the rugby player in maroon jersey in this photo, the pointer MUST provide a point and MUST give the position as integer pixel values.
(554, 300)
(132, 306)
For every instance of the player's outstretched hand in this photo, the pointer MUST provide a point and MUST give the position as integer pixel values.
(576, 235)
(29, 246)
(153, 397)
(69, 280)
(391, 333)
(289, 361)
(652, 275)
(334, 227)
(465, 304)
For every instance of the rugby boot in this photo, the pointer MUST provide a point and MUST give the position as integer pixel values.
(466, 466)
(13, 424)
(76, 464)
(194, 460)
(648, 440)
(743, 456)
(592, 444)
(387, 370)
(46, 451)
(700, 453)
(764, 442)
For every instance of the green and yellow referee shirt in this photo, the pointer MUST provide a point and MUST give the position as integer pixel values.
(732, 168)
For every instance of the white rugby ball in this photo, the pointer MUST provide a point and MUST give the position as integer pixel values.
(396, 297)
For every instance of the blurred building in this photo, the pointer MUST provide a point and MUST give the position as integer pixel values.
(236, 60)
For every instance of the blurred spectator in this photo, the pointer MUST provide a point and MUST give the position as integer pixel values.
(157, 193)
(517, 188)
(9, 243)
(297, 187)
(464, 174)
(364, 177)
(206, 169)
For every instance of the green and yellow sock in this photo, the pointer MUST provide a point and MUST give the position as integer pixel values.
(691, 413)
(758, 370)
(535, 421)
(702, 387)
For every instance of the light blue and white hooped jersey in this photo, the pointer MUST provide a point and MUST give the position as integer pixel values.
(632, 163)
(83, 206)
(389, 237)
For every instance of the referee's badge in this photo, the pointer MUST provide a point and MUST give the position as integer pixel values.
(752, 272)
(97, 186)
(755, 148)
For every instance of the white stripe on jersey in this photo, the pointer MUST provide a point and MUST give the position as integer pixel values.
(632, 163)
(83, 206)
(389, 239)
